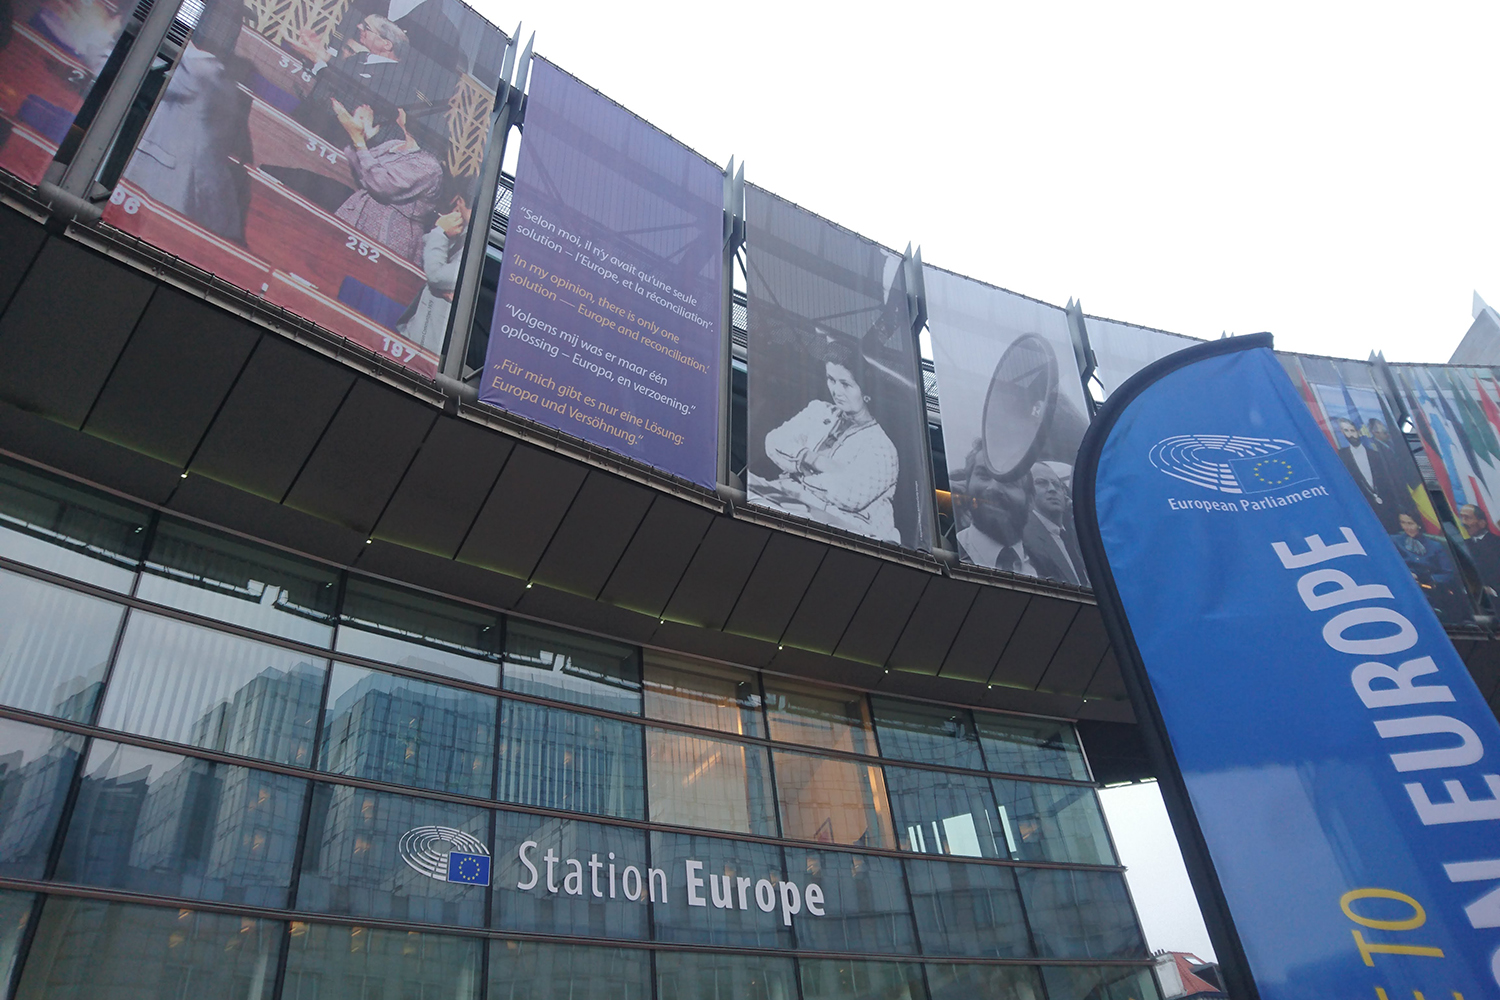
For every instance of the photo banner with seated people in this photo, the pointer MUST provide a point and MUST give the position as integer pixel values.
(1456, 411)
(1013, 415)
(1122, 349)
(325, 157)
(836, 421)
(607, 322)
(1357, 416)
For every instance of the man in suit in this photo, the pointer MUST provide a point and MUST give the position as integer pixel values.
(1372, 472)
(997, 511)
(1483, 547)
(369, 71)
(1049, 529)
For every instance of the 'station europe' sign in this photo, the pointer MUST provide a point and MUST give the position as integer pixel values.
(1340, 763)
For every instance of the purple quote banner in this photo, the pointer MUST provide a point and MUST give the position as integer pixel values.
(607, 320)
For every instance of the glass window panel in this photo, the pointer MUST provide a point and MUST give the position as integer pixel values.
(212, 575)
(367, 963)
(68, 530)
(721, 920)
(1082, 982)
(713, 784)
(971, 910)
(354, 863)
(208, 689)
(15, 914)
(992, 982)
(864, 903)
(408, 732)
(700, 976)
(54, 646)
(940, 813)
(36, 770)
(531, 970)
(702, 694)
(832, 801)
(588, 899)
(846, 979)
(413, 630)
(179, 826)
(1079, 914)
(819, 716)
(1052, 822)
(1046, 748)
(548, 663)
(931, 734)
(85, 949)
(558, 759)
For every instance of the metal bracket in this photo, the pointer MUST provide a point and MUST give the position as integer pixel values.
(1083, 351)
(734, 239)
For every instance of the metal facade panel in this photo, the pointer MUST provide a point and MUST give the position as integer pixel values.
(714, 579)
(988, 627)
(172, 376)
(831, 600)
(593, 535)
(363, 454)
(883, 614)
(272, 419)
(657, 556)
(441, 493)
(924, 643)
(522, 512)
(64, 329)
(775, 588)
(20, 241)
(1035, 641)
(580, 612)
(1107, 684)
(220, 504)
(446, 576)
(1075, 661)
(50, 443)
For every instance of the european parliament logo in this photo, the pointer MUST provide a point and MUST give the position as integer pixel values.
(1233, 464)
(445, 854)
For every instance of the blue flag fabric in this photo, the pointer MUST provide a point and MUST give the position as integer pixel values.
(473, 869)
(1341, 765)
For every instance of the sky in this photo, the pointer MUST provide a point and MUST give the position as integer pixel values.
(1322, 171)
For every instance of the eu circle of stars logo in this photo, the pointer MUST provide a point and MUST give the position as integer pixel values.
(1273, 471)
(473, 869)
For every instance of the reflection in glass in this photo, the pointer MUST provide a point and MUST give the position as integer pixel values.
(54, 645)
(373, 964)
(864, 903)
(68, 530)
(992, 982)
(730, 914)
(1082, 982)
(194, 685)
(1045, 748)
(970, 910)
(847, 979)
(930, 734)
(1052, 822)
(591, 898)
(832, 801)
(698, 976)
(15, 914)
(531, 970)
(1079, 914)
(819, 716)
(213, 575)
(712, 784)
(549, 663)
(702, 694)
(352, 863)
(36, 768)
(179, 826)
(408, 732)
(938, 813)
(87, 948)
(558, 759)
(381, 622)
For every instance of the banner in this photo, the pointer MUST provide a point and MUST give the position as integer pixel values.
(837, 427)
(325, 157)
(1329, 763)
(1122, 349)
(1457, 415)
(1356, 417)
(1013, 416)
(607, 322)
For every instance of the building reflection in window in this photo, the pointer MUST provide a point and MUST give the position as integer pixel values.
(705, 695)
(940, 813)
(710, 784)
(532, 970)
(15, 914)
(721, 920)
(819, 716)
(1045, 822)
(550, 663)
(832, 801)
(36, 769)
(1000, 982)
(68, 530)
(864, 903)
(54, 645)
(1084, 982)
(1046, 748)
(967, 909)
(850, 979)
(409, 629)
(1080, 914)
(367, 962)
(930, 734)
(697, 976)
(557, 759)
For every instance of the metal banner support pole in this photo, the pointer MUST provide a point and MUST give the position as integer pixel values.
(734, 238)
(1083, 351)
(916, 309)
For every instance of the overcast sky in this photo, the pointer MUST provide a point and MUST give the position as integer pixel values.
(1323, 171)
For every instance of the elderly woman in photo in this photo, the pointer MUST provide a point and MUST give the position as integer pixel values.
(837, 465)
(399, 182)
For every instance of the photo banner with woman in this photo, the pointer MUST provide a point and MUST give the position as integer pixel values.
(325, 155)
(836, 421)
(607, 320)
(1013, 416)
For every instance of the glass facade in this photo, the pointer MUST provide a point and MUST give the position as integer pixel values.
(276, 779)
